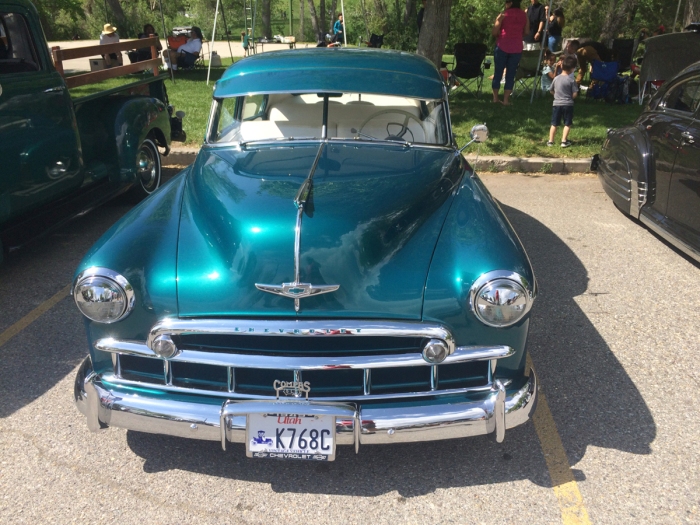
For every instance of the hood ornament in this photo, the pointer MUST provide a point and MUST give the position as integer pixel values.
(298, 290)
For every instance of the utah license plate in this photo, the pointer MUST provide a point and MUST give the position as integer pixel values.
(290, 436)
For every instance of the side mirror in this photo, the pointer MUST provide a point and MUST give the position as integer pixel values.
(478, 134)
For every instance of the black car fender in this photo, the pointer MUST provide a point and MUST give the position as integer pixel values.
(625, 168)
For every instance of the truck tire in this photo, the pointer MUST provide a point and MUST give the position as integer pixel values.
(148, 169)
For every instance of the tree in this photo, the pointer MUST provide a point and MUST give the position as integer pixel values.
(619, 14)
(266, 19)
(692, 12)
(433, 33)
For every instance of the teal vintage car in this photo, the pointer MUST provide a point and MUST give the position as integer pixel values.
(329, 271)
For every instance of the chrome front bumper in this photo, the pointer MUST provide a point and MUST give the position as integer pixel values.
(355, 424)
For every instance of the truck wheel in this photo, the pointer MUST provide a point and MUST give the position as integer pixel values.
(148, 168)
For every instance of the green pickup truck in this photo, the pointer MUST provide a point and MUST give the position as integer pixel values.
(62, 155)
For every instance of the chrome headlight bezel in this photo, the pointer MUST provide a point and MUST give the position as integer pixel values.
(493, 279)
(105, 276)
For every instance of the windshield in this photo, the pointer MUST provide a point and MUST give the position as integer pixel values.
(351, 116)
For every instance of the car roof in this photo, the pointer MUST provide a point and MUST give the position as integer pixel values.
(314, 70)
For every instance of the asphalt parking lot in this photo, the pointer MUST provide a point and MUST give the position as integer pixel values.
(614, 339)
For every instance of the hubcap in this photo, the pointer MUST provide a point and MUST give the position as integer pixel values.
(146, 167)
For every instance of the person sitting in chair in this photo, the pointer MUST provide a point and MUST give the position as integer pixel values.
(109, 36)
(187, 54)
(144, 53)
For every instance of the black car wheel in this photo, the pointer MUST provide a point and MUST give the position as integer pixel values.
(148, 168)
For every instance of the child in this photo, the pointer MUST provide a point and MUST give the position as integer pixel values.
(548, 71)
(565, 90)
(245, 41)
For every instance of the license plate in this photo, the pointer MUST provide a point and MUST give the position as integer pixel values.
(290, 436)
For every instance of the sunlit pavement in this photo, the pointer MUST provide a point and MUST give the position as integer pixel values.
(613, 339)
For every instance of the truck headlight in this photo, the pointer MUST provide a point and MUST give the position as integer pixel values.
(103, 295)
(501, 298)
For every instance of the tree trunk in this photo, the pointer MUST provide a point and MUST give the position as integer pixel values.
(364, 18)
(265, 15)
(302, 25)
(433, 34)
(617, 15)
(314, 19)
(692, 12)
(324, 18)
(383, 14)
(117, 12)
(409, 12)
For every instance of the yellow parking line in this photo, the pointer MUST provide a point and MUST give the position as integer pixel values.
(33, 315)
(573, 511)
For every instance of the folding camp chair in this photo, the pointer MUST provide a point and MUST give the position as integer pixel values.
(603, 79)
(468, 72)
(528, 74)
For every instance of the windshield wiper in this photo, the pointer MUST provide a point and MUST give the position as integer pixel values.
(276, 139)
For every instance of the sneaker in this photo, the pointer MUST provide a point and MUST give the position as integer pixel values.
(566, 144)
(550, 143)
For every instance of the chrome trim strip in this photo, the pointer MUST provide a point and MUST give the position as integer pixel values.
(434, 377)
(231, 378)
(499, 412)
(460, 355)
(168, 373)
(112, 379)
(371, 425)
(367, 382)
(300, 328)
(657, 228)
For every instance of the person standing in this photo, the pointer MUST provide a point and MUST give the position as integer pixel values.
(509, 29)
(556, 24)
(537, 17)
(338, 30)
(565, 90)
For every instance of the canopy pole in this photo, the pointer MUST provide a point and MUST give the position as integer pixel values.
(345, 24)
(213, 36)
(162, 18)
(539, 64)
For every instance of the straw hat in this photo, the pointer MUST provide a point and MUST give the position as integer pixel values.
(109, 29)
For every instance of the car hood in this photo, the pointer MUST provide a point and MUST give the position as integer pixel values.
(370, 226)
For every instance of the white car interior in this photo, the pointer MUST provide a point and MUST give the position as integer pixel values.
(350, 116)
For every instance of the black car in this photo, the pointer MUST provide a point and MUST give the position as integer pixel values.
(651, 170)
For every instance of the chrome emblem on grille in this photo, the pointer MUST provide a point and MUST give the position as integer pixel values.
(292, 388)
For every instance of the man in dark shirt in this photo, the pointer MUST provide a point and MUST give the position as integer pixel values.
(537, 17)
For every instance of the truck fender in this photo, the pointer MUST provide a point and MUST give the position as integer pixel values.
(136, 119)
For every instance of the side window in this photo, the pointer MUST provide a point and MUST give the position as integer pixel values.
(253, 107)
(684, 97)
(17, 51)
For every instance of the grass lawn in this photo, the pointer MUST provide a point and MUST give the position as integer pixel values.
(519, 130)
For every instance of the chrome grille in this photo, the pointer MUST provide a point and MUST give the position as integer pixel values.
(379, 360)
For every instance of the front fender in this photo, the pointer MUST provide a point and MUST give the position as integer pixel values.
(141, 246)
(476, 238)
(136, 119)
(625, 170)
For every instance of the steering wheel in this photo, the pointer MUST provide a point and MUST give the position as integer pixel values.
(402, 129)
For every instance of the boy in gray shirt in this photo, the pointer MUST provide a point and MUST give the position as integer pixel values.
(565, 90)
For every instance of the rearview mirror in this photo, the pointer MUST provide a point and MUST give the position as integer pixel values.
(479, 133)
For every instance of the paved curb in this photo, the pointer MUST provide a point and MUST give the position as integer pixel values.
(529, 164)
(184, 156)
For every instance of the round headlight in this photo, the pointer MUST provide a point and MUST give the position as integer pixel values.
(103, 295)
(500, 299)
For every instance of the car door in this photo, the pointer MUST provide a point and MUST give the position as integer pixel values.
(665, 127)
(39, 145)
(684, 193)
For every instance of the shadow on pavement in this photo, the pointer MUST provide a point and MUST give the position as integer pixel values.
(592, 399)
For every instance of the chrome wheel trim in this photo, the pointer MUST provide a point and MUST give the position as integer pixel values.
(148, 166)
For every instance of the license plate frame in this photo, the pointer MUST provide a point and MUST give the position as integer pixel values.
(304, 424)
